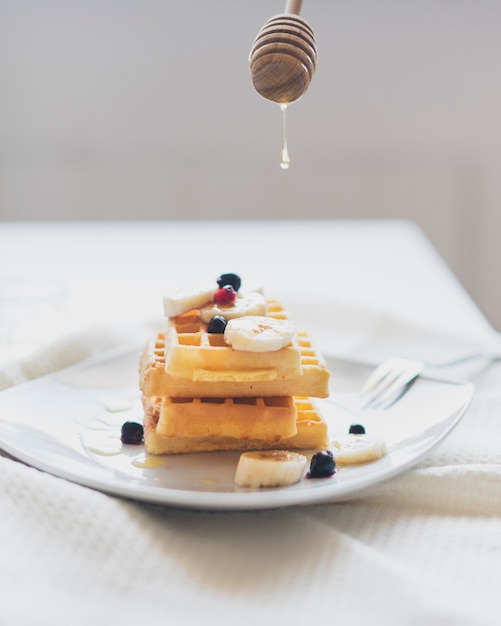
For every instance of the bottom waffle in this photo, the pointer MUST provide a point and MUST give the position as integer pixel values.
(311, 433)
(253, 418)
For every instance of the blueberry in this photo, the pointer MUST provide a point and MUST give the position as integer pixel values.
(357, 429)
(216, 325)
(230, 279)
(132, 432)
(322, 464)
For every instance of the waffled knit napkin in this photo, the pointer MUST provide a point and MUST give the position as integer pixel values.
(68, 350)
(422, 548)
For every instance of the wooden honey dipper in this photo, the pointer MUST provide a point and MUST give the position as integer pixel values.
(283, 57)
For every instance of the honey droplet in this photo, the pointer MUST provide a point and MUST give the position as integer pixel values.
(208, 481)
(284, 152)
(103, 450)
(148, 462)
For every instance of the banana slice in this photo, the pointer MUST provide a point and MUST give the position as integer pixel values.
(349, 448)
(258, 333)
(184, 300)
(246, 303)
(270, 468)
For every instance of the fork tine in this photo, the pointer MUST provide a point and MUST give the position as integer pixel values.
(390, 380)
(394, 391)
(379, 374)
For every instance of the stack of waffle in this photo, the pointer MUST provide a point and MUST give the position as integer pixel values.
(200, 394)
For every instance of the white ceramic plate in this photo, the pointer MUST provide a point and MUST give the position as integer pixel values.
(68, 424)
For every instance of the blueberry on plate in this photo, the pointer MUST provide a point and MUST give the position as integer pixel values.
(132, 433)
(357, 429)
(322, 464)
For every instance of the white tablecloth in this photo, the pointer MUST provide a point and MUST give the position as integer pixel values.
(422, 548)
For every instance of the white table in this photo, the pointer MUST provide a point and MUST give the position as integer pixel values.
(420, 548)
(116, 270)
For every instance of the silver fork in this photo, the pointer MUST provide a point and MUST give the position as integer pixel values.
(393, 377)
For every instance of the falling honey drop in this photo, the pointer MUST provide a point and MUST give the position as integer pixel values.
(284, 152)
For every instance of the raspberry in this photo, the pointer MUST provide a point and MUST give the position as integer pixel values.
(322, 464)
(132, 432)
(225, 295)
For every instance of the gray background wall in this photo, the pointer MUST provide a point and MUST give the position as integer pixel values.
(129, 109)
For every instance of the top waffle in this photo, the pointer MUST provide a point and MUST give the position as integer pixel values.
(192, 352)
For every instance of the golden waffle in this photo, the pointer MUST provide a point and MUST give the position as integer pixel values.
(312, 433)
(250, 418)
(194, 354)
(156, 381)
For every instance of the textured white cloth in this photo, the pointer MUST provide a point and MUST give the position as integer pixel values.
(422, 548)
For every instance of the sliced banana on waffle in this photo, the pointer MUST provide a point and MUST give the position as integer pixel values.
(184, 300)
(246, 303)
(270, 468)
(258, 333)
(349, 449)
